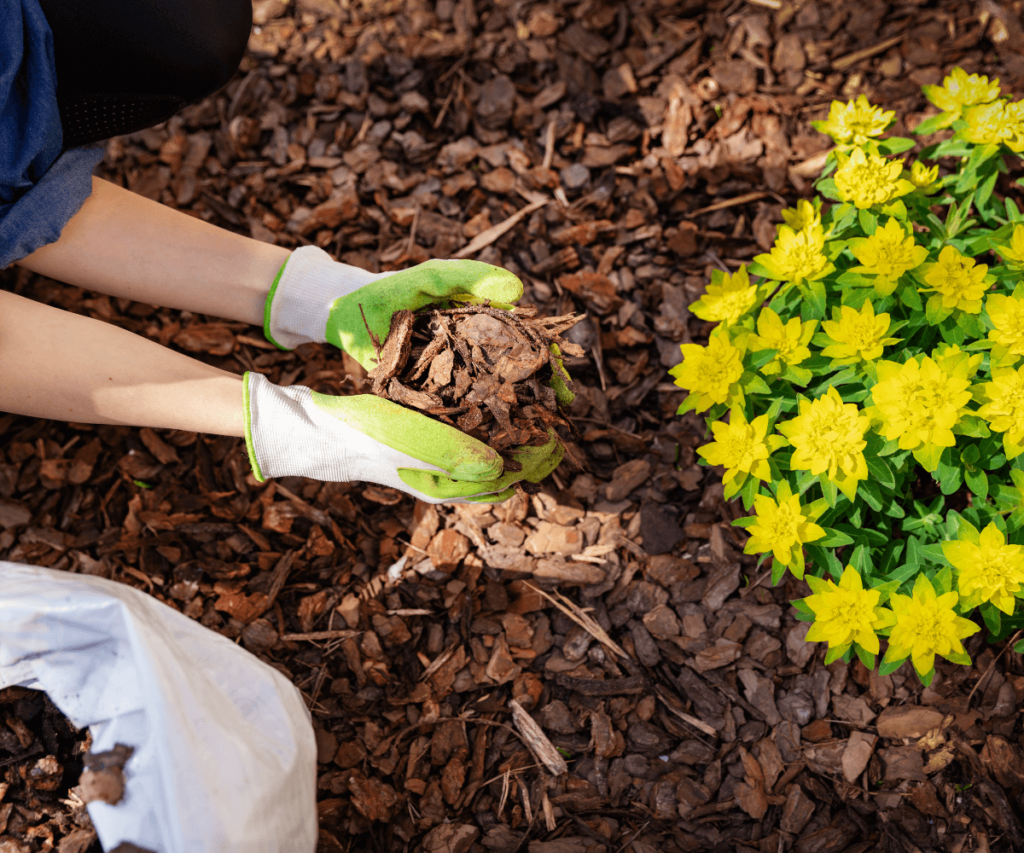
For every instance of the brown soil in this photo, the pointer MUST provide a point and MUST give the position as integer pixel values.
(611, 155)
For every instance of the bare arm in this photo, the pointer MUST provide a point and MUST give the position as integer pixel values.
(122, 244)
(55, 364)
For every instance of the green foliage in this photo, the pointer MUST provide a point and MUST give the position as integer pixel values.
(880, 452)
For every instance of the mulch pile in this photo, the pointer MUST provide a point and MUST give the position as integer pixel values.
(487, 371)
(596, 667)
(41, 760)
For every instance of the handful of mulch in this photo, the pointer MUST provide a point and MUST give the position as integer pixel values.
(486, 371)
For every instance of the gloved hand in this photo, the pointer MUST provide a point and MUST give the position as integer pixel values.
(316, 299)
(295, 431)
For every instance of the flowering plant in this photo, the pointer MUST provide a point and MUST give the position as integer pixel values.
(864, 385)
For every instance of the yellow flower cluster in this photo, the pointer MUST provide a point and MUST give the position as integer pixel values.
(855, 122)
(919, 402)
(898, 267)
(921, 626)
(886, 255)
(868, 179)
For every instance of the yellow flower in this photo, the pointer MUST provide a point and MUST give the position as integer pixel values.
(868, 179)
(956, 362)
(989, 124)
(845, 613)
(989, 569)
(828, 439)
(887, 254)
(1013, 255)
(961, 89)
(783, 526)
(921, 176)
(926, 626)
(804, 215)
(727, 298)
(742, 448)
(854, 122)
(711, 373)
(796, 255)
(958, 279)
(1007, 315)
(1015, 125)
(1004, 407)
(919, 402)
(790, 339)
(858, 336)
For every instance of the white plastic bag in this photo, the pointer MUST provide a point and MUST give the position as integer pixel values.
(225, 758)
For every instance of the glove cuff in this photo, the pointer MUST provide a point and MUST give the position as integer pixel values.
(300, 299)
(286, 435)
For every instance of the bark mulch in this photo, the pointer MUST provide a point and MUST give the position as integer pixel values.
(596, 667)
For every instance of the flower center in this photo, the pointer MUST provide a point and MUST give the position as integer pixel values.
(872, 180)
(955, 278)
(1010, 329)
(852, 612)
(1011, 401)
(927, 627)
(782, 526)
(860, 332)
(740, 447)
(827, 435)
(804, 259)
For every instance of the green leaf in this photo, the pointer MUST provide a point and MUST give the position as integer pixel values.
(881, 473)
(992, 616)
(896, 144)
(760, 358)
(868, 221)
(1018, 647)
(934, 553)
(802, 606)
(751, 383)
(866, 658)
(888, 667)
(827, 187)
(949, 476)
(985, 191)
(932, 125)
(909, 296)
(778, 570)
(934, 312)
(977, 482)
(749, 491)
(868, 489)
(829, 490)
(833, 538)
(754, 268)
(816, 298)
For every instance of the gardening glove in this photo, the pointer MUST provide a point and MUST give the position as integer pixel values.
(315, 298)
(295, 431)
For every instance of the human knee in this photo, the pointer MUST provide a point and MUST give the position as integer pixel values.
(216, 46)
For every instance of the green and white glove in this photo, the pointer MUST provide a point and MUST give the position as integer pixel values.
(316, 299)
(295, 431)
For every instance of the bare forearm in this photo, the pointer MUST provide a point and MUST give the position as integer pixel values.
(54, 364)
(122, 244)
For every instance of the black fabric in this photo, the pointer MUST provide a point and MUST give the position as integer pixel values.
(123, 65)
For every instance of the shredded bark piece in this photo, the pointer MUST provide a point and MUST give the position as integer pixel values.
(490, 367)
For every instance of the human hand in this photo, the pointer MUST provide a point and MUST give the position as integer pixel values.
(315, 298)
(295, 431)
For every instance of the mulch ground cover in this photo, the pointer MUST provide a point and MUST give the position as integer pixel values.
(596, 667)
